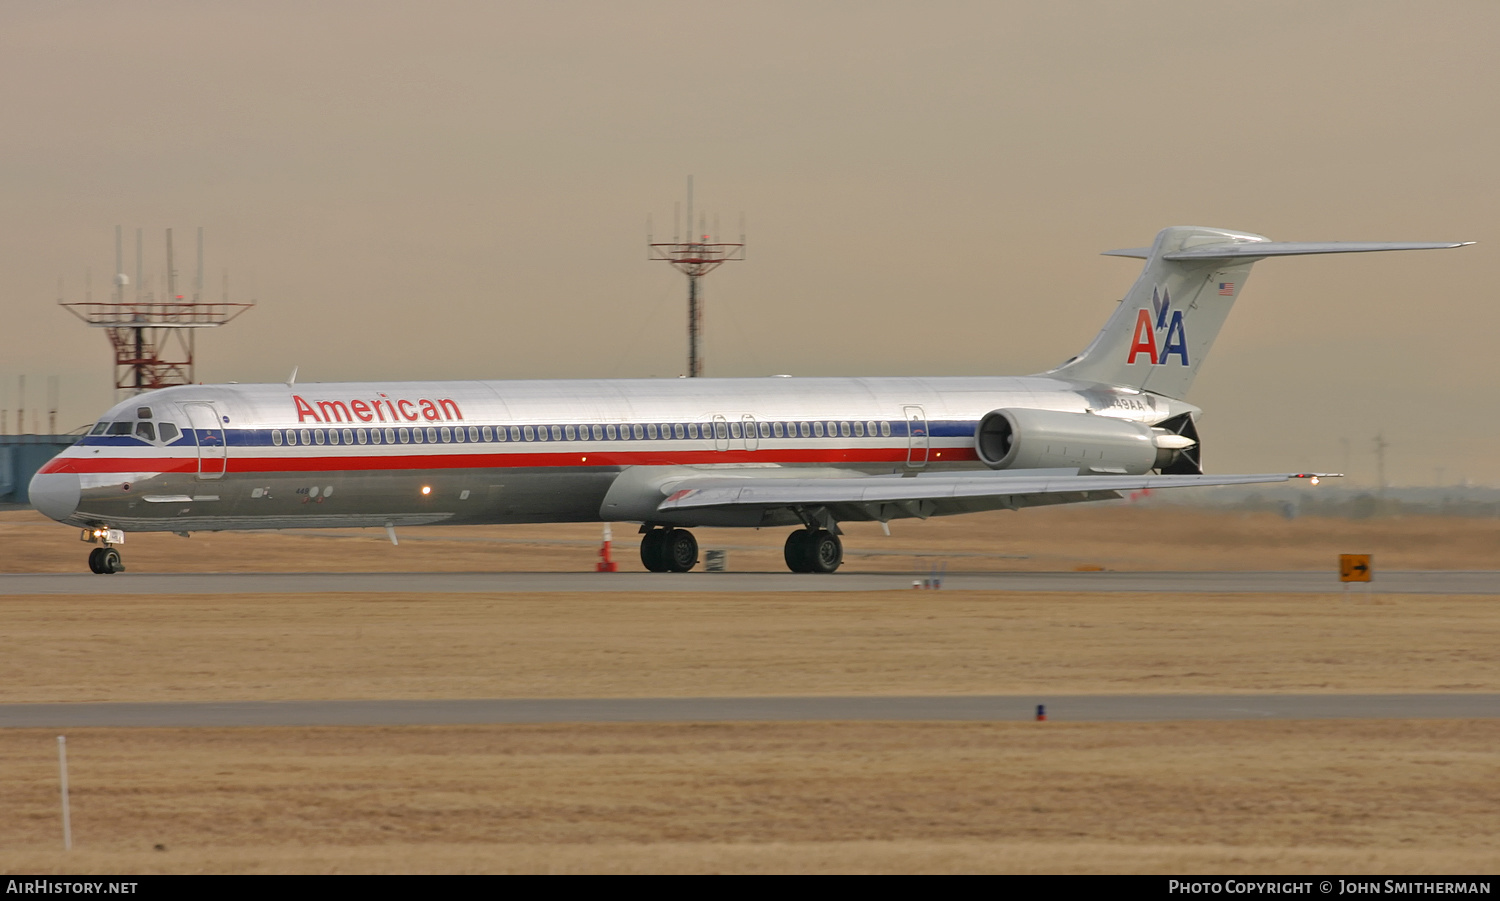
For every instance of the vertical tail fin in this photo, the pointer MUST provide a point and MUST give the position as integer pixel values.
(1162, 330)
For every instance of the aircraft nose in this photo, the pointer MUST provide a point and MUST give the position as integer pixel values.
(56, 494)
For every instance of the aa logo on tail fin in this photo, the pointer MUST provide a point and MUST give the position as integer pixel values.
(1168, 320)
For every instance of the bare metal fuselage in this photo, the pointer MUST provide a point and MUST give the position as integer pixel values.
(377, 454)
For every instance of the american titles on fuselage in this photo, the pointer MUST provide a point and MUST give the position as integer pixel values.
(374, 410)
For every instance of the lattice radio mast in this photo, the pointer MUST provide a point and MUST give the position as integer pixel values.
(153, 337)
(695, 258)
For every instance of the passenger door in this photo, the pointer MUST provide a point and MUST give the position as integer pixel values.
(208, 430)
(918, 443)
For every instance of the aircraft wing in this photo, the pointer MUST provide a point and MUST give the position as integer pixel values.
(930, 493)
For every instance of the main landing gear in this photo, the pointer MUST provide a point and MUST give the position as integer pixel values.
(106, 560)
(666, 549)
(813, 551)
(669, 550)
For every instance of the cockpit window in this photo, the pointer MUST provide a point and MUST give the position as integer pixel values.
(145, 430)
(121, 428)
(168, 431)
(142, 412)
(100, 427)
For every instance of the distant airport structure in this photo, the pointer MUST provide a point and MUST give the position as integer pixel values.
(696, 257)
(152, 334)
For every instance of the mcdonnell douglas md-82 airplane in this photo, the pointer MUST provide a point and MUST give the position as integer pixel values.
(671, 454)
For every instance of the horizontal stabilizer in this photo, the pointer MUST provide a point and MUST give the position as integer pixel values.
(1256, 250)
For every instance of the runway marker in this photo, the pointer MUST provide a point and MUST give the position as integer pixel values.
(62, 767)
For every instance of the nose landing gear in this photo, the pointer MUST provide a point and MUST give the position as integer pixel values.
(106, 560)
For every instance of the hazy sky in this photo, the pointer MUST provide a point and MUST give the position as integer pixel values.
(460, 190)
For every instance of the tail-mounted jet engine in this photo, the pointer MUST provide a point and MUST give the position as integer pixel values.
(1047, 439)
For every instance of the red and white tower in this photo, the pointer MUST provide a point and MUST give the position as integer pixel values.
(153, 336)
(696, 258)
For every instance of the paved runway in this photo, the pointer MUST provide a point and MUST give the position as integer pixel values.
(1410, 582)
(990, 708)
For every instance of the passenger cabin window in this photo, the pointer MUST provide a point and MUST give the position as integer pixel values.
(432, 436)
(306, 436)
(859, 430)
(363, 437)
(447, 434)
(405, 436)
(572, 433)
(734, 430)
(530, 433)
(609, 430)
(489, 434)
(349, 436)
(885, 430)
(678, 431)
(333, 436)
(318, 435)
(777, 430)
(692, 430)
(818, 429)
(844, 430)
(291, 438)
(805, 429)
(275, 434)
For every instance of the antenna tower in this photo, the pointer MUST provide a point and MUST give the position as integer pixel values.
(153, 337)
(695, 258)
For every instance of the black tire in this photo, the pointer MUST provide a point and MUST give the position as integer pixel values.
(798, 551)
(110, 562)
(824, 552)
(680, 550)
(94, 564)
(653, 551)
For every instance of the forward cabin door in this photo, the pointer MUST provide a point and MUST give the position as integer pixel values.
(918, 443)
(208, 429)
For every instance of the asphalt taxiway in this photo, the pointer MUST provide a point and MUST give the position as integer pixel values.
(985, 708)
(1387, 582)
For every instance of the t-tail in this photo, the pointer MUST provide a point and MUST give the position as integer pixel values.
(1159, 335)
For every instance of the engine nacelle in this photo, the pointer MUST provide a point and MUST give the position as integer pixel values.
(1047, 439)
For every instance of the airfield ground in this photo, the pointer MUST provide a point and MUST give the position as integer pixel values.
(1175, 797)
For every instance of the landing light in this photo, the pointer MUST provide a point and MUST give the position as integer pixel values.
(426, 489)
(1315, 480)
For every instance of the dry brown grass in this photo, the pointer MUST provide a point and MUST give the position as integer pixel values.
(1233, 797)
(1241, 797)
(263, 647)
(1120, 537)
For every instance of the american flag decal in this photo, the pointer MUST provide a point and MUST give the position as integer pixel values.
(1226, 289)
